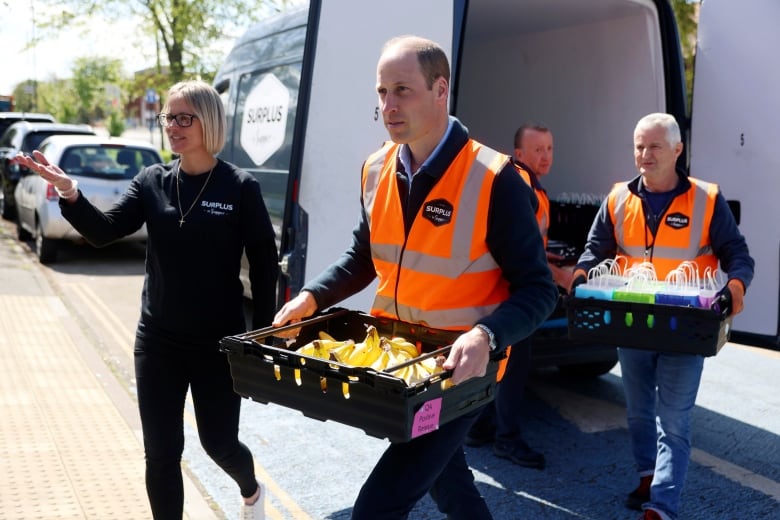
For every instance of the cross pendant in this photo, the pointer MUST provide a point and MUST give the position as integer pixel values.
(181, 222)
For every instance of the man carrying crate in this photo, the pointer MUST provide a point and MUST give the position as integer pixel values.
(448, 227)
(664, 217)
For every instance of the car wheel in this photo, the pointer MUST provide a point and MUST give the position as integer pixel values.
(8, 210)
(22, 234)
(586, 370)
(46, 248)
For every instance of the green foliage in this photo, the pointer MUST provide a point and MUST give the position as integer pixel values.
(166, 155)
(92, 77)
(116, 124)
(186, 34)
(58, 98)
(686, 14)
(184, 31)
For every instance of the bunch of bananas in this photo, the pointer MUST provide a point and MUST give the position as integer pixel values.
(375, 351)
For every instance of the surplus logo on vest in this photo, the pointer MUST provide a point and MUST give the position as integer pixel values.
(677, 220)
(438, 211)
(216, 208)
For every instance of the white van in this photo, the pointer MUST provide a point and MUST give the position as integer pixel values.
(303, 116)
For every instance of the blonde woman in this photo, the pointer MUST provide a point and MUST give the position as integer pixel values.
(201, 213)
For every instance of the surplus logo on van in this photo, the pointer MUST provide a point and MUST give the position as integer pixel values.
(264, 121)
(438, 211)
(677, 220)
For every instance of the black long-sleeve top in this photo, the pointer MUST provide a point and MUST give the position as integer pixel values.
(513, 239)
(192, 295)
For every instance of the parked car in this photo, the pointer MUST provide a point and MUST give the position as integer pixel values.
(9, 118)
(26, 136)
(103, 167)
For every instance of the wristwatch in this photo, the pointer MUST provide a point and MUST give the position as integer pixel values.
(491, 336)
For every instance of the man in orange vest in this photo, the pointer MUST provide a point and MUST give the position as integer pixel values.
(664, 217)
(447, 226)
(499, 423)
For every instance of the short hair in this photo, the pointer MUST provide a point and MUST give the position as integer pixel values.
(666, 121)
(208, 106)
(431, 57)
(539, 127)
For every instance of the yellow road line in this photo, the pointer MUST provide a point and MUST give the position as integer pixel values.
(273, 488)
(774, 354)
(295, 511)
(737, 474)
(124, 337)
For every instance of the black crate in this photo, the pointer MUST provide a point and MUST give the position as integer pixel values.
(661, 328)
(267, 370)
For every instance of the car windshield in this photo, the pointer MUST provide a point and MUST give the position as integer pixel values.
(108, 162)
(33, 140)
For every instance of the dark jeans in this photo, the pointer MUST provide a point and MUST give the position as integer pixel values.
(509, 392)
(503, 413)
(163, 376)
(433, 463)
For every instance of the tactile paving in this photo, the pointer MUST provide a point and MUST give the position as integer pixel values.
(65, 451)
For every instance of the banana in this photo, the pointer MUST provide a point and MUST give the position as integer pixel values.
(307, 349)
(367, 351)
(447, 383)
(429, 365)
(382, 361)
(357, 355)
(403, 373)
(417, 374)
(373, 353)
(406, 346)
(315, 349)
(324, 335)
(398, 357)
(343, 352)
(372, 337)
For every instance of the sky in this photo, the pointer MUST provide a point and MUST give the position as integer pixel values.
(55, 56)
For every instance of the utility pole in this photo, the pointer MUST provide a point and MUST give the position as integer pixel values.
(35, 73)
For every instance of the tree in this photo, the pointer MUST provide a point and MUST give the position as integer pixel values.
(687, 14)
(91, 76)
(184, 30)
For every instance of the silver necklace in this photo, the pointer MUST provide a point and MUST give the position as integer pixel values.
(183, 215)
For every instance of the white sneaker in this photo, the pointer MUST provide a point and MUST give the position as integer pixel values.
(255, 511)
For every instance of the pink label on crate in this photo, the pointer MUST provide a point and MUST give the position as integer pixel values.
(426, 419)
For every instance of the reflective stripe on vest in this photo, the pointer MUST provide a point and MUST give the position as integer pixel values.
(683, 233)
(543, 211)
(442, 273)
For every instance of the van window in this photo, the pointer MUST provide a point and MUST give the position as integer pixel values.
(272, 148)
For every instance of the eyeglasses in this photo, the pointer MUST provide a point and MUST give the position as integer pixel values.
(183, 120)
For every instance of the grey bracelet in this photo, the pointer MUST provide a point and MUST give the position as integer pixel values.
(66, 194)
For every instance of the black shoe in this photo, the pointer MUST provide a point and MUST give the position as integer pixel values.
(480, 435)
(519, 453)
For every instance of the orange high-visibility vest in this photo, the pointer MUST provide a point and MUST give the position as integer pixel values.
(543, 211)
(442, 274)
(683, 234)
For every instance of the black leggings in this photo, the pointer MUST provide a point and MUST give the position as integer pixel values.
(163, 376)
